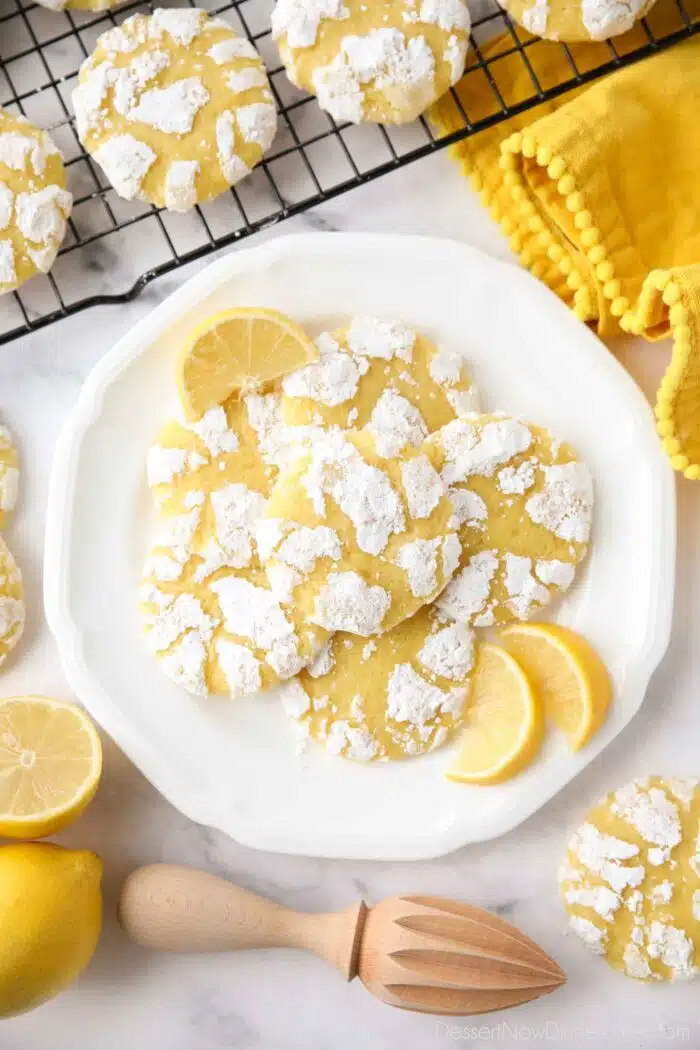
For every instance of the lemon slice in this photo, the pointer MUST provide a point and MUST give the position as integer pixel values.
(504, 721)
(50, 765)
(239, 351)
(569, 676)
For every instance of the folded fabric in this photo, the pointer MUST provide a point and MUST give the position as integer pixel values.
(599, 193)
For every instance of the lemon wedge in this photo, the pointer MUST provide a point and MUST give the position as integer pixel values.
(504, 721)
(239, 351)
(568, 675)
(50, 765)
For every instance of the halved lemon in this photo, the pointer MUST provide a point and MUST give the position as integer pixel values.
(569, 676)
(240, 350)
(504, 721)
(50, 765)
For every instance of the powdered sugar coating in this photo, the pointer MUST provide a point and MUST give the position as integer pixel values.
(280, 445)
(177, 616)
(257, 122)
(303, 547)
(557, 573)
(395, 424)
(651, 812)
(590, 933)
(473, 448)
(224, 51)
(371, 337)
(422, 486)
(299, 20)
(535, 18)
(601, 899)
(468, 508)
(181, 25)
(245, 79)
(176, 86)
(419, 560)
(180, 185)
(565, 506)
(241, 669)
(449, 652)
(512, 480)
(411, 699)
(215, 433)
(125, 161)
(330, 381)
(465, 598)
(346, 603)
(606, 18)
(171, 109)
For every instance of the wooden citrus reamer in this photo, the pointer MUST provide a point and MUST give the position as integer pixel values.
(418, 953)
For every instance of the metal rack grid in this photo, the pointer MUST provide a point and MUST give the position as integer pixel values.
(312, 160)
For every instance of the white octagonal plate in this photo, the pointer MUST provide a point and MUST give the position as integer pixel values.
(234, 765)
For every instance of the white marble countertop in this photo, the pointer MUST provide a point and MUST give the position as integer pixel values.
(285, 1001)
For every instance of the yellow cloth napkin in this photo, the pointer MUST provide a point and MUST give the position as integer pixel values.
(599, 193)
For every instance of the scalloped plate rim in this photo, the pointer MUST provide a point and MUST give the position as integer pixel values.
(86, 414)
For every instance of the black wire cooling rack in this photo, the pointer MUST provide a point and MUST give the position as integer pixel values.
(312, 160)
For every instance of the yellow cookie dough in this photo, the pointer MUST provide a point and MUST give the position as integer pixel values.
(9, 474)
(34, 201)
(630, 880)
(391, 697)
(523, 505)
(383, 377)
(384, 62)
(355, 542)
(174, 107)
(11, 602)
(577, 21)
(209, 613)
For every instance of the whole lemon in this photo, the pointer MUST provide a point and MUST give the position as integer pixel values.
(50, 920)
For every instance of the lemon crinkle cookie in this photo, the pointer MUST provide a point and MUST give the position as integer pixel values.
(383, 377)
(630, 879)
(11, 602)
(391, 697)
(209, 613)
(523, 504)
(579, 21)
(12, 612)
(174, 107)
(34, 201)
(383, 62)
(355, 542)
(9, 474)
(79, 5)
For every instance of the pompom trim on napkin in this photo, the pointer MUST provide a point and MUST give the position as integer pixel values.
(584, 276)
(661, 304)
